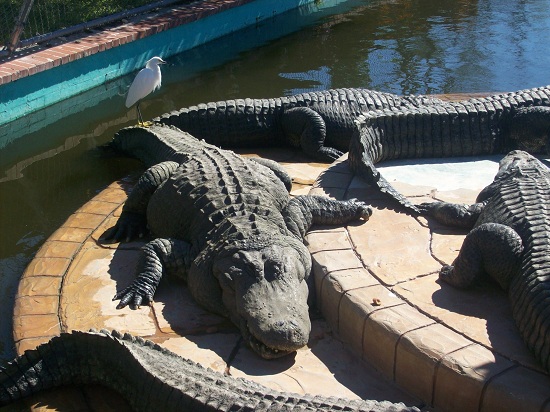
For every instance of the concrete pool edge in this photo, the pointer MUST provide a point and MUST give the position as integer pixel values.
(47, 76)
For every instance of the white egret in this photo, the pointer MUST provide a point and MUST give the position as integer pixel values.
(147, 81)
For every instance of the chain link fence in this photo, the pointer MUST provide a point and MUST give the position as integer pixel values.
(28, 22)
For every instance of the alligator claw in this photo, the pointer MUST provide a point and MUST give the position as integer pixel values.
(426, 208)
(129, 226)
(364, 211)
(132, 298)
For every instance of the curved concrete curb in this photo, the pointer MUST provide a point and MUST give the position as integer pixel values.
(377, 287)
(70, 283)
(375, 284)
(36, 317)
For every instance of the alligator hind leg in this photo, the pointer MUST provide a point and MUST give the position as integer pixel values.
(133, 222)
(158, 256)
(489, 249)
(306, 128)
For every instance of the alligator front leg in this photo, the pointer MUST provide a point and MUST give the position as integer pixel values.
(303, 211)
(490, 249)
(133, 221)
(306, 128)
(158, 256)
(452, 214)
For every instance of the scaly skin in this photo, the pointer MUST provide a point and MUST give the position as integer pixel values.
(496, 124)
(152, 378)
(227, 226)
(321, 123)
(509, 242)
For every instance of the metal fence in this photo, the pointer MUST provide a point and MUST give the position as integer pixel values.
(27, 22)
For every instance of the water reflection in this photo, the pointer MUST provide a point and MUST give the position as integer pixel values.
(48, 166)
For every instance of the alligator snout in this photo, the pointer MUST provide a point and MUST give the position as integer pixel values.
(279, 338)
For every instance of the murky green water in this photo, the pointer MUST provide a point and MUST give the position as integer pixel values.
(50, 167)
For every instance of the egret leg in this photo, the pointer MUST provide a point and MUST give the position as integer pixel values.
(140, 118)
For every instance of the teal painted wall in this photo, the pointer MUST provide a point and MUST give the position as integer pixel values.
(46, 88)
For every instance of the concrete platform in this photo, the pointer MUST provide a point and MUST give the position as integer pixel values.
(422, 342)
(377, 286)
(70, 284)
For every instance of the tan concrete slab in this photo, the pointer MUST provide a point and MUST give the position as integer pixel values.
(525, 390)
(418, 355)
(463, 375)
(438, 341)
(376, 284)
(322, 368)
(175, 312)
(393, 246)
(482, 314)
(92, 272)
(383, 330)
(89, 287)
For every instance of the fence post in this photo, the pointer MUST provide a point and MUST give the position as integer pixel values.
(19, 25)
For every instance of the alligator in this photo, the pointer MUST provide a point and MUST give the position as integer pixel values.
(226, 225)
(478, 126)
(152, 378)
(320, 123)
(509, 242)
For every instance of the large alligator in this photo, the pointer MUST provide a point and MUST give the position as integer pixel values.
(321, 123)
(227, 225)
(495, 124)
(509, 242)
(152, 378)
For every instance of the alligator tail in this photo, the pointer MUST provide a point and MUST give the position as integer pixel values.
(231, 123)
(153, 378)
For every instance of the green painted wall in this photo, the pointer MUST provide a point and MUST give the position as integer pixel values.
(43, 89)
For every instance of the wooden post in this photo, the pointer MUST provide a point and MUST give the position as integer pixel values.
(19, 25)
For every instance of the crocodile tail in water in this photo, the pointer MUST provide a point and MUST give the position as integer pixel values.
(153, 378)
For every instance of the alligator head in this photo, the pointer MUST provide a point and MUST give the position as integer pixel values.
(265, 292)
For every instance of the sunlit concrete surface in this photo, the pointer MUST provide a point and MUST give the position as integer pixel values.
(377, 287)
(390, 329)
(71, 282)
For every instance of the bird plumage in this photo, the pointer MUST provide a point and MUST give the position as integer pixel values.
(147, 81)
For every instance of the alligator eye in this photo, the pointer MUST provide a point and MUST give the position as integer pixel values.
(272, 270)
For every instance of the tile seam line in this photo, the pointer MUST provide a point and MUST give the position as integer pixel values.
(394, 377)
(438, 364)
(492, 378)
